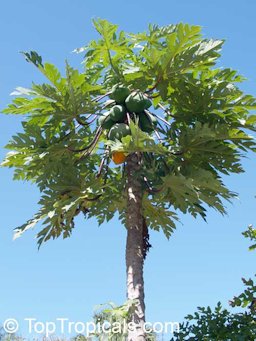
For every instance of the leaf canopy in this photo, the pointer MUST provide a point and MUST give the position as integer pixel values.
(202, 131)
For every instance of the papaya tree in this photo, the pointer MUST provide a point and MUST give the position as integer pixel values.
(147, 129)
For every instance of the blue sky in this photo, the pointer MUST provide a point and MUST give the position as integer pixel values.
(202, 263)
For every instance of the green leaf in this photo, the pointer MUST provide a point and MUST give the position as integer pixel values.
(158, 217)
(202, 131)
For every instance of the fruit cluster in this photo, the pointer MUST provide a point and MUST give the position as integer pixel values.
(124, 101)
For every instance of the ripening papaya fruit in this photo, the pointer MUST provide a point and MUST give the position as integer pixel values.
(119, 93)
(105, 121)
(118, 131)
(117, 113)
(118, 157)
(137, 102)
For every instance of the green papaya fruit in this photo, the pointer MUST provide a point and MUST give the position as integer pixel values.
(152, 118)
(118, 131)
(105, 121)
(117, 113)
(147, 122)
(147, 103)
(119, 93)
(137, 102)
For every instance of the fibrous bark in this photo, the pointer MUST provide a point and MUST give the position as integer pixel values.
(135, 247)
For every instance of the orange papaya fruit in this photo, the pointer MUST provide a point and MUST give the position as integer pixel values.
(118, 157)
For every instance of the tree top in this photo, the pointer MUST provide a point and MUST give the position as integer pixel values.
(193, 127)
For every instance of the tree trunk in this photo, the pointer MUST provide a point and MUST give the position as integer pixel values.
(134, 248)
